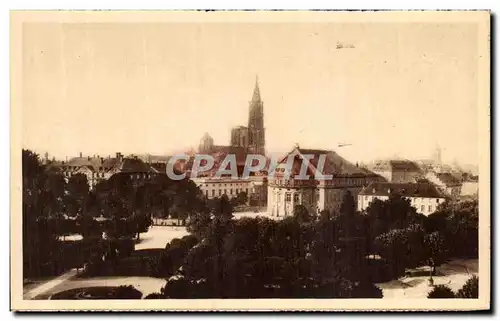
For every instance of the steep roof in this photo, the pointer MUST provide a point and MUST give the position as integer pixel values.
(448, 179)
(256, 92)
(134, 165)
(396, 165)
(425, 190)
(334, 163)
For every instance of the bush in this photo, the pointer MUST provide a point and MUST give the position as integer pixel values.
(470, 290)
(154, 296)
(441, 292)
(99, 293)
(127, 292)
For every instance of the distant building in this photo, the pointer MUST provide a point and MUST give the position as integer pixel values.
(425, 197)
(245, 140)
(251, 138)
(316, 195)
(446, 182)
(470, 187)
(99, 168)
(398, 171)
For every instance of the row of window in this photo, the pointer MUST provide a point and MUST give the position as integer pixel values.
(230, 184)
(429, 208)
(420, 199)
(224, 191)
(94, 174)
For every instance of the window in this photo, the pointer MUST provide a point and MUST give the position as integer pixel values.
(231, 191)
(296, 198)
(213, 193)
(206, 193)
(225, 191)
(246, 189)
(422, 208)
(430, 208)
(437, 200)
(220, 192)
(288, 197)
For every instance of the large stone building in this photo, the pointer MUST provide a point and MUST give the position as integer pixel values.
(244, 140)
(98, 168)
(425, 197)
(314, 194)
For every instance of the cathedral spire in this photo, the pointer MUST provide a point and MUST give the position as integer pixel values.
(256, 91)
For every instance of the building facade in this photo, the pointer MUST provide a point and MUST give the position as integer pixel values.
(285, 190)
(398, 171)
(424, 197)
(446, 182)
(98, 168)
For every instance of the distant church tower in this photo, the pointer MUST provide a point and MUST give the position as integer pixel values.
(256, 132)
(437, 155)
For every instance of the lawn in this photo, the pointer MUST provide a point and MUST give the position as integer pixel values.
(158, 236)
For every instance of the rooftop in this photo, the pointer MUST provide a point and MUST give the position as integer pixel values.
(425, 190)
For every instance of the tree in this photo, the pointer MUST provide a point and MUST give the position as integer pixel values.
(402, 248)
(348, 205)
(301, 214)
(441, 292)
(470, 290)
(241, 199)
(435, 248)
(43, 194)
(77, 192)
(325, 215)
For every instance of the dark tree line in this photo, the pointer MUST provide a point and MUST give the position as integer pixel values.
(119, 208)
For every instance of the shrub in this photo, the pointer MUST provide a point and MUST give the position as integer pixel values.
(441, 292)
(154, 296)
(99, 293)
(470, 290)
(127, 292)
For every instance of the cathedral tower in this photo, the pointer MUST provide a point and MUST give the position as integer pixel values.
(256, 132)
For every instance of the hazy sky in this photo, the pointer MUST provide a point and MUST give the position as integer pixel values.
(156, 88)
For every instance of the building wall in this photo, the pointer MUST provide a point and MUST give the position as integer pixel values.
(331, 198)
(453, 191)
(387, 174)
(469, 188)
(405, 176)
(282, 201)
(213, 188)
(239, 137)
(423, 205)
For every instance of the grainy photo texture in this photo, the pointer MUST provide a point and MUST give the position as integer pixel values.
(303, 160)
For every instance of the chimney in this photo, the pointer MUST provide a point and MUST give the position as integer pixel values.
(88, 158)
(81, 155)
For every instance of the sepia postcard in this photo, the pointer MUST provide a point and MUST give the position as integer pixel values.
(250, 161)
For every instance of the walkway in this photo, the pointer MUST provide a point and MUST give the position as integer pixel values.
(46, 286)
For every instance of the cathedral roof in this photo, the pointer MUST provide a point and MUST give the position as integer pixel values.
(256, 92)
